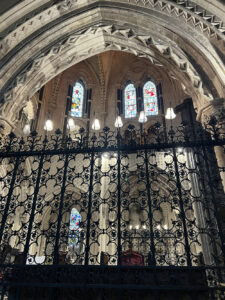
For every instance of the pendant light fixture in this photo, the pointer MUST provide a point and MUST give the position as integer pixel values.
(96, 124)
(26, 129)
(48, 125)
(142, 117)
(170, 114)
(118, 122)
(71, 124)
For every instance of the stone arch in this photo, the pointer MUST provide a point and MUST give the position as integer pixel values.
(166, 49)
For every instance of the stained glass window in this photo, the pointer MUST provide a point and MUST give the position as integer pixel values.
(150, 99)
(130, 102)
(75, 219)
(77, 100)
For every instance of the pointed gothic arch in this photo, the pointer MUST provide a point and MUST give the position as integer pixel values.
(50, 52)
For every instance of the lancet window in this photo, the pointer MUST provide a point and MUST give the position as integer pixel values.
(75, 219)
(77, 100)
(130, 101)
(145, 97)
(150, 99)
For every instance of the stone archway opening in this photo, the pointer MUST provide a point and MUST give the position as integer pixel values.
(48, 55)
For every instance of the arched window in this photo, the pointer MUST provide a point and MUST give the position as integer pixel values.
(74, 232)
(130, 101)
(150, 99)
(77, 100)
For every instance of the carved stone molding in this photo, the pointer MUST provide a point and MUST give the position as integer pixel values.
(188, 12)
(210, 23)
(193, 14)
(114, 39)
(66, 5)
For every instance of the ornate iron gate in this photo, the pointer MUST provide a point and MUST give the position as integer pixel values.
(113, 216)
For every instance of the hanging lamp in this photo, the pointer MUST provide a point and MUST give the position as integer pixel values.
(170, 114)
(96, 124)
(26, 129)
(142, 117)
(71, 124)
(48, 125)
(118, 122)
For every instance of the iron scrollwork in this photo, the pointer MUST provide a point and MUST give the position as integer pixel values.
(151, 209)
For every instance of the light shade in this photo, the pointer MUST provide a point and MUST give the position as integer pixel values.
(26, 129)
(170, 114)
(180, 150)
(96, 124)
(142, 117)
(118, 122)
(105, 155)
(48, 125)
(71, 124)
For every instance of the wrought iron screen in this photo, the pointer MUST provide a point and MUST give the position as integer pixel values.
(151, 209)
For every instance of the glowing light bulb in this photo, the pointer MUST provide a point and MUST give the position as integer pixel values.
(180, 150)
(142, 117)
(170, 114)
(48, 125)
(105, 155)
(96, 124)
(118, 122)
(26, 129)
(71, 124)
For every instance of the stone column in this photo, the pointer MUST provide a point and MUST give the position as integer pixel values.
(220, 156)
(216, 109)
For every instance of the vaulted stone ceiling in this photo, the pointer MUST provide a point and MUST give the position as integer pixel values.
(40, 40)
(105, 73)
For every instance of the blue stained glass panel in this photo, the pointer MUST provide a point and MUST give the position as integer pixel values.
(77, 100)
(75, 219)
(150, 99)
(130, 101)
